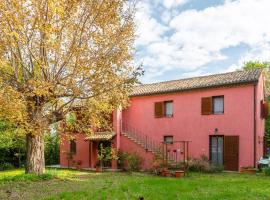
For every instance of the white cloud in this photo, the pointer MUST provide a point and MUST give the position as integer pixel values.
(224, 26)
(173, 3)
(197, 37)
(148, 28)
(259, 52)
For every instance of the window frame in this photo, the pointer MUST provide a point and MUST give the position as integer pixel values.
(164, 140)
(213, 105)
(165, 110)
(73, 147)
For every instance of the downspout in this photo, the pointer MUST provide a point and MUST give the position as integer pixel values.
(255, 141)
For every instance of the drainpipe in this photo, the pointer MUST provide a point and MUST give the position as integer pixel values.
(255, 139)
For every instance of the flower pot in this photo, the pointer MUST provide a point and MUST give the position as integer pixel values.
(168, 174)
(164, 172)
(248, 171)
(179, 174)
(99, 169)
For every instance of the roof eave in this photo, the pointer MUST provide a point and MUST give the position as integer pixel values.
(196, 88)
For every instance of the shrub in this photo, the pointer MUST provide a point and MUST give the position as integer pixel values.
(202, 164)
(266, 171)
(130, 161)
(6, 166)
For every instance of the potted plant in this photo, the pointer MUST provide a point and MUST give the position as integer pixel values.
(164, 170)
(79, 164)
(101, 157)
(179, 174)
(248, 170)
(105, 154)
(69, 157)
(167, 173)
(114, 157)
(98, 167)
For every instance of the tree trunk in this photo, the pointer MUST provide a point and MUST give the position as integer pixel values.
(35, 161)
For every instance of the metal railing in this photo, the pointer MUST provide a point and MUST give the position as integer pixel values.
(173, 153)
(148, 143)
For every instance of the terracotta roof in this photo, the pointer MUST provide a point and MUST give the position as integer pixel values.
(216, 80)
(101, 136)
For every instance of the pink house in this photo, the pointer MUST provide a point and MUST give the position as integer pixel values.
(220, 116)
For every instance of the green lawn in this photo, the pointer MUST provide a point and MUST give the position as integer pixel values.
(69, 184)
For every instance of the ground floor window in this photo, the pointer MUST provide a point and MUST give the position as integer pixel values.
(73, 147)
(168, 139)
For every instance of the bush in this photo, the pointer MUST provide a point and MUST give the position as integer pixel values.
(266, 171)
(202, 164)
(6, 166)
(129, 161)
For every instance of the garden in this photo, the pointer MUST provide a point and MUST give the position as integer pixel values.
(72, 184)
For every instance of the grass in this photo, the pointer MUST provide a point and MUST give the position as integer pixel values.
(72, 185)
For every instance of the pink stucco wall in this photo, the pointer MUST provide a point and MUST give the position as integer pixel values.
(260, 123)
(82, 152)
(188, 124)
(129, 146)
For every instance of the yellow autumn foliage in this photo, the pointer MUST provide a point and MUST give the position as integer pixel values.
(56, 55)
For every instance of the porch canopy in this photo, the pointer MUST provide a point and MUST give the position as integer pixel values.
(101, 136)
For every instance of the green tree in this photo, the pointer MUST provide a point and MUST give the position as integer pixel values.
(52, 148)
(12, 144)
(266, 70)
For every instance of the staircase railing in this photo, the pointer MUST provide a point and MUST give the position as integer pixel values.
(173, 153)
(147, 142)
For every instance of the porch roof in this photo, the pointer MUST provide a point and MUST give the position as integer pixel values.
(106, 135)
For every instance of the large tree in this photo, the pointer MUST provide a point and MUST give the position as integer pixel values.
(58, 54)
(265, 65)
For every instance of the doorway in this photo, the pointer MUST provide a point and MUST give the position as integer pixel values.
(224, 150)
(216, 149)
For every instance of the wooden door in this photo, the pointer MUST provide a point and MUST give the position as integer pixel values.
(231, 153)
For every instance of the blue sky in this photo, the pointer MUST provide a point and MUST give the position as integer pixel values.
(184, 38)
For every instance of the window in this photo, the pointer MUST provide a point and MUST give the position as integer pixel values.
(212, 105)
(163, 109)
(218, 105)
(168, 139)
(264, 109)
(168, 108)
(73, 146)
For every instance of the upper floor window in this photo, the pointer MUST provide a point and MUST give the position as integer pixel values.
(163, 109)
(168, 108)
(264, 109)
(212, 105)
(73, 147)
(218, 105)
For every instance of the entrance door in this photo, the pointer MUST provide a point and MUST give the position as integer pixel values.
(231, 153)
(216, 149)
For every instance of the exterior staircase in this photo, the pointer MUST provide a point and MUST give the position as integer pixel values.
(146, 142)
(158, 148)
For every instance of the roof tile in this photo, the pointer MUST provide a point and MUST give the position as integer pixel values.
(216, 80)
